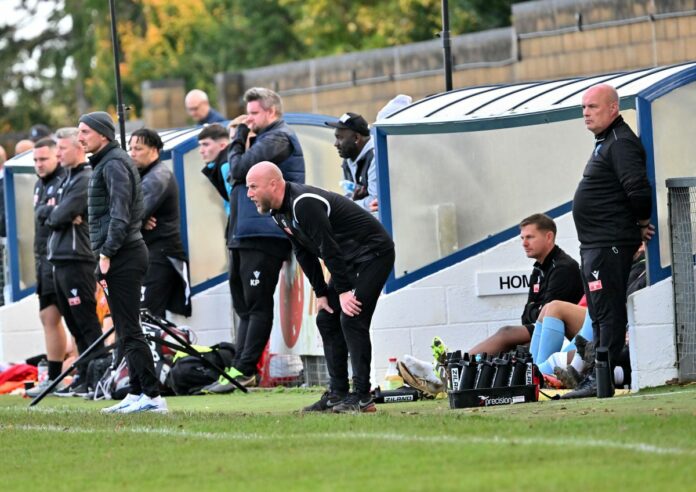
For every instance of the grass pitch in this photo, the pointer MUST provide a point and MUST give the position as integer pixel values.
(260, 442)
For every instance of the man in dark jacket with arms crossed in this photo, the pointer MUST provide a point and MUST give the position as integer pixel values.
(70, 252)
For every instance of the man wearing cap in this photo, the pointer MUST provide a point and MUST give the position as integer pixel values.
(39, 131)
(357, 150)
(116, 211)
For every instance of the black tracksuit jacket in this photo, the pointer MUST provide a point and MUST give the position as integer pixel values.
(558, 278)
(68, 241)
(326, 225)
(114, 201)
(161, 200)
(614, 193)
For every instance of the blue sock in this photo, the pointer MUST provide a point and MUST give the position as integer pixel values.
(536, 336)
(552, 335)
(585, 332)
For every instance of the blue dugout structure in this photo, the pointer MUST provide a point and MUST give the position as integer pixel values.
(458, 170)
(202, 213)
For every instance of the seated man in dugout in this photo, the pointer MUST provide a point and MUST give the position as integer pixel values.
(562, 320)
(555, 276)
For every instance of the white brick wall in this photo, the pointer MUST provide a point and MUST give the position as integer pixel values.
(651, 336)
(21, 333)
(212, 318)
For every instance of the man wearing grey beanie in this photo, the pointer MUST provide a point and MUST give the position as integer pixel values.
(116, 212)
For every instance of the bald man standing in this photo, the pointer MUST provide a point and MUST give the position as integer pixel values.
(198, 108)
(611, 209)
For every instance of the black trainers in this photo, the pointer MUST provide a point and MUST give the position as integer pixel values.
(586, 388)
(326, 403)
(356, 403)
(248, 381)
(75, 389)
(217, 388)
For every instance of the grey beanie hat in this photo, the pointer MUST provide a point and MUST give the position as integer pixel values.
(100, 122)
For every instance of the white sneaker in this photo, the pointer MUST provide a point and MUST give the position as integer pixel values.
(146, 404)
(39, 388)
(130, 398)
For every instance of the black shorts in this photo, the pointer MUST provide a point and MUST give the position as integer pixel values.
(48, 300)
(530, 329)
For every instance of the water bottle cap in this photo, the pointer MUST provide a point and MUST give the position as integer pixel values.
(392, 359)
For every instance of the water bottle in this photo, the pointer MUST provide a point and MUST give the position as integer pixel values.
(392, 379)
(519, 367)
(348, 186)
(454, 368)
(503, 367)
(605, 387)
(468, 375)
(486, 372)
(42, 371)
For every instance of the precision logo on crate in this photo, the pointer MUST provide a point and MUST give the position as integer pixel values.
(491, 397)
(487, 401)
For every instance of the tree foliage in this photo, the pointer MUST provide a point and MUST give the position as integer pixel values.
(196, 39)
(66, 67)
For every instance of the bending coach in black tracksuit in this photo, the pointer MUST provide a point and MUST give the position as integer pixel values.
(611, 209)
(69, 247)
(116, 211)
(358, 253)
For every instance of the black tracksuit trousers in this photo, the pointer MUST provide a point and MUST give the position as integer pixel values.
(124, 279)
(605, 273)
(75, 285)
(343, 335)
(160, 284)
(253, 279)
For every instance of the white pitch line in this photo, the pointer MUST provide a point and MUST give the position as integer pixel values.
(636, 447)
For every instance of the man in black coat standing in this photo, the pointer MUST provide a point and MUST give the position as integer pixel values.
(166, 284)
(116, 212)
(359, 255)
(611, 209)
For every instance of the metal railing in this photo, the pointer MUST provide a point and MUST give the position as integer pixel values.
(682, 217)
